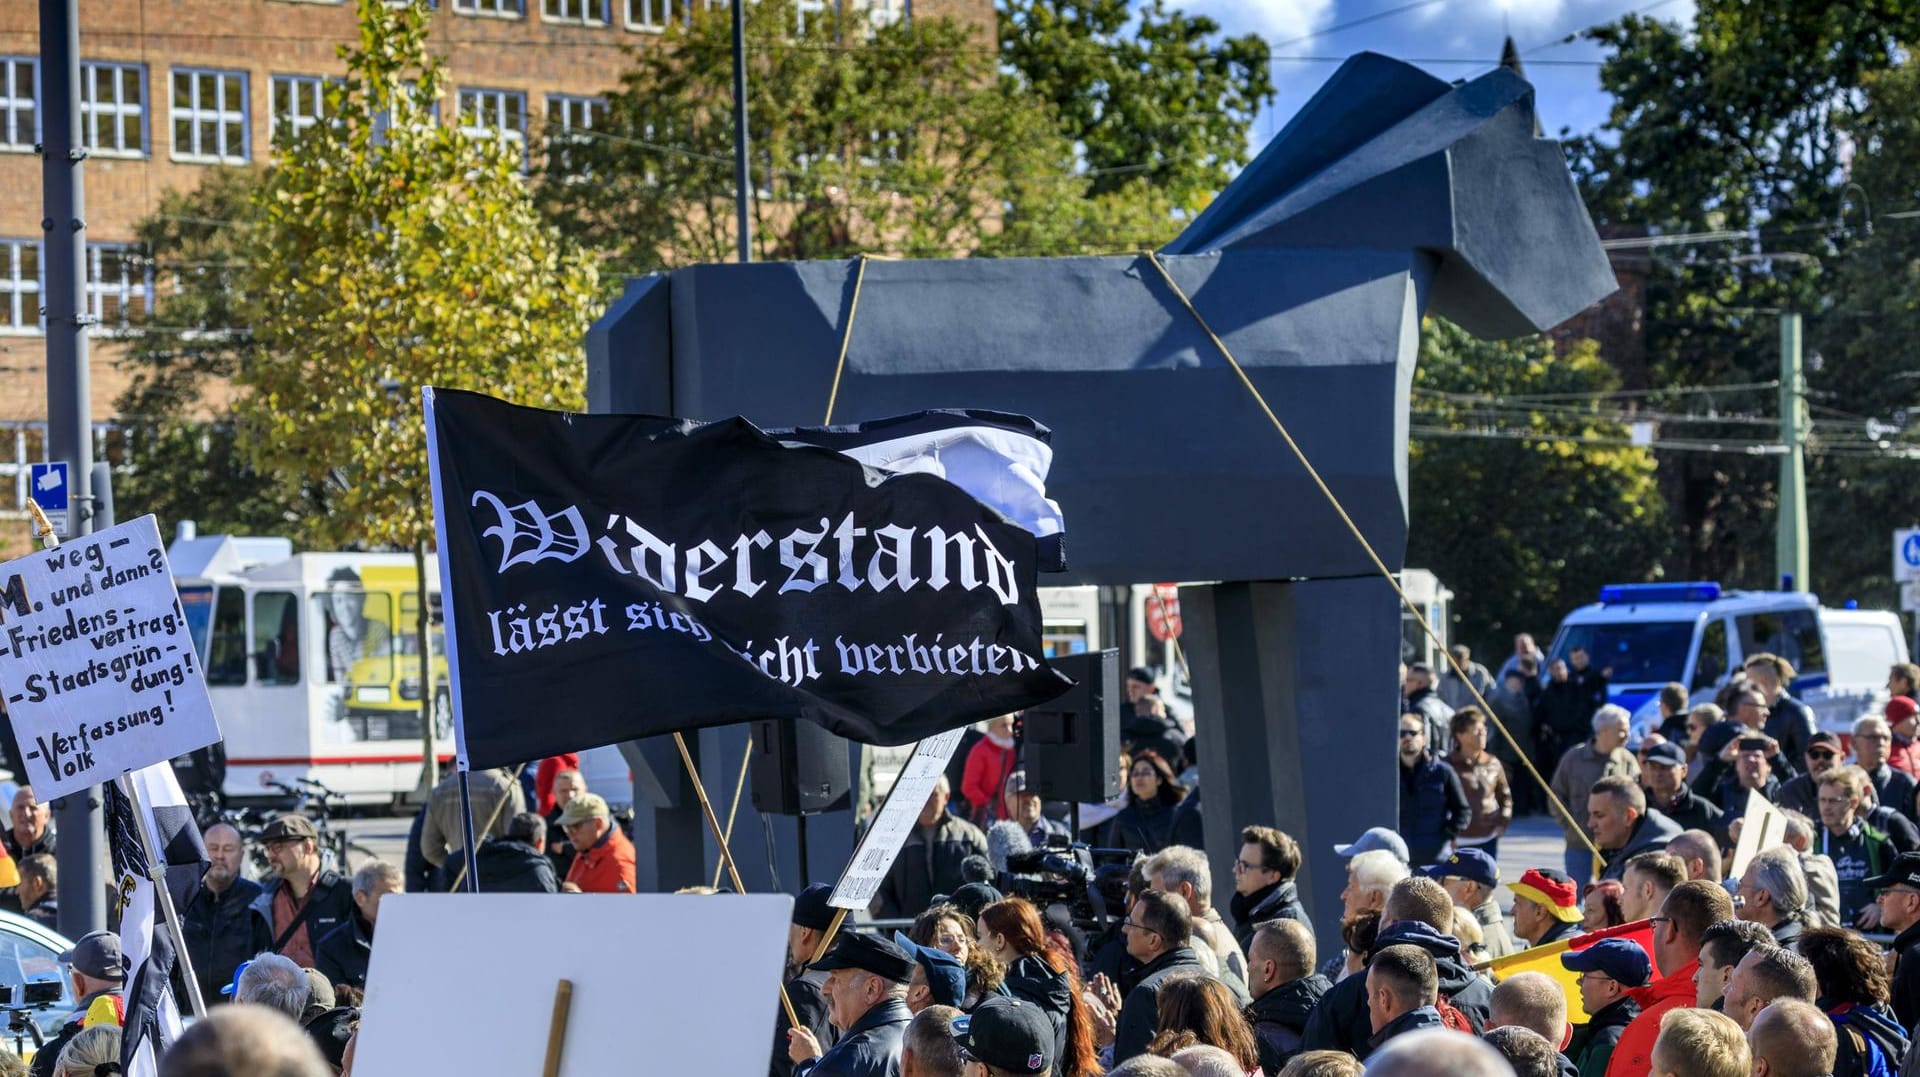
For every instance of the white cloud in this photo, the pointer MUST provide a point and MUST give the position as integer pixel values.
(1276, 20)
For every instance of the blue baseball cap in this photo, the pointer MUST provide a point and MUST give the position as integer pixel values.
(233, 988)
(946, 977)
(1379, 837)
(1621, 959)
(1472, 865)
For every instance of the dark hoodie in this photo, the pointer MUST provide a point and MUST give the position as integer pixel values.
(1340, 1021)
(1281, 901)
(1879, 1032)
(1279, 1017)
(1412, 1021)
(1593, 1042)
(1651, 833)
(1030, 980)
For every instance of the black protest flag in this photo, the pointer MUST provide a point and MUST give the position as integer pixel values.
(152, 1020)
(608, 577)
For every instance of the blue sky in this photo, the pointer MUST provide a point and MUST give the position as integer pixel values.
(1565, 76)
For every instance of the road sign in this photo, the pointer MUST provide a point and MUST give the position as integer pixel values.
(1163, 612)
(48, 486)
(1910, 596)
(1906, 554)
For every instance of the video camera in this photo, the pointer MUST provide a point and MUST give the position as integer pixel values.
(19, 1002)
(1090, 882)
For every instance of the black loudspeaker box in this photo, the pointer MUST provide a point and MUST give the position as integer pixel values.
(1073, 742)
(798, 767)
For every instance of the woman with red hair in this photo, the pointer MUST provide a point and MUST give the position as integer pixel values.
(1011, 930)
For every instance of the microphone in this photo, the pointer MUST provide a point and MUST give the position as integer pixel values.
(1006, 838)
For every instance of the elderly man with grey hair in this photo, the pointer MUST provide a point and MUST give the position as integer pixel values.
(1602, 755)
(930, 860)
(1773, 893)
(1872, 745)
(342, 954)
(1183, 871)
(275, 982)
(929, 1049)
(1823, 879)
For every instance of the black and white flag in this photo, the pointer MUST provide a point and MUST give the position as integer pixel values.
(152, 1013)
(607, 577)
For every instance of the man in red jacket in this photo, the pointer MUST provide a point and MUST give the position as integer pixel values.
(984, 782)
(1689, 910)
(1903, 715)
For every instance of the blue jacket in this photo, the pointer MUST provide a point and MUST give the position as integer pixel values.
(1433, 807)
(1411, 1021)
(1340, 1021)
(871, 1048)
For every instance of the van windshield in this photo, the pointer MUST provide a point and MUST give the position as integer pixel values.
(197, 604)
(1642, 652)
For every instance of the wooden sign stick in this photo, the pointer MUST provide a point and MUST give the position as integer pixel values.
(557, 1030)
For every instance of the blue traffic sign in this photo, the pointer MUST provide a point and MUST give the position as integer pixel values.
(49, 486)
(1910, 550)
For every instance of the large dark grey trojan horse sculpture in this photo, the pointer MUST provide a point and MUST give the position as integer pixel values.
(1391, 194)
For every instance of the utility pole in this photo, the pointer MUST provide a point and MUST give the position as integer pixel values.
(1790, 544)
(742, 174)
(83, 906)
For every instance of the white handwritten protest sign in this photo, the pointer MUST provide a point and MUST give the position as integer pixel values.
(894, 821)
(97, 664)
(1764, 825)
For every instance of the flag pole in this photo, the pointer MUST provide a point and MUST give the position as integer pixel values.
(157, 872)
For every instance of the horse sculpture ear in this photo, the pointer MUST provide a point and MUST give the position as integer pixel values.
(1387, 157)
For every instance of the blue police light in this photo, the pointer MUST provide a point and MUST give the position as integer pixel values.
(1622, 594)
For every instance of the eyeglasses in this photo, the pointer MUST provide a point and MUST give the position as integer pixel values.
(1659, 919)
(1241, 865)
(1823, 755)
(1835, 802)
(1900, 890)
(1126, 925)
(1596, 974)
(1405, 733)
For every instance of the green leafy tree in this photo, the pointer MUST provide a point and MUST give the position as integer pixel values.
(1741, 124)
(1520, 502)
(387, 252)
(178, 456)
(901, 139)
(1146, 93)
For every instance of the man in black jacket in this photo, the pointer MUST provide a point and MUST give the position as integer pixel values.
(1433, 804)
(301, 903)
(1263, 886)
(217, 922)
(1789, 721)
(811, 918)
(1159, 930)
(930, 860)
(1418, 913)
(1899, 899)
(867, 990)
(516, 862)
(1285, 989)
(1607, 969)
(97, 969)
(1665, 768)
(342, 954)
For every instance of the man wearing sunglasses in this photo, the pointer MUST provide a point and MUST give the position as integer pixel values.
(1802, 793)
(1899, 900)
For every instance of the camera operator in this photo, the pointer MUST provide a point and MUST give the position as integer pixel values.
(97, 969)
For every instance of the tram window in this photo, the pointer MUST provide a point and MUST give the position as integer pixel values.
(276, 638)
(227, 645)
(359, 628)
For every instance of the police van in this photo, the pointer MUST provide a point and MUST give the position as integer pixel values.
(1698, 634)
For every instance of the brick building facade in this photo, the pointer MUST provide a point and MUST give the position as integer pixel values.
(175, 88)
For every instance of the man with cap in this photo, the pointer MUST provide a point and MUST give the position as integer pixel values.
(866, 992)
(1898, 894)
(811, 918)
(604, 861)
(1607, 969)
(1379, 837)
(1028, 809)
(1665, 771)
(1802, 792)
(1546, 907)
(97, 970)
(1005, 1037)
(1470, 877)
(300, 903)
(939, 979)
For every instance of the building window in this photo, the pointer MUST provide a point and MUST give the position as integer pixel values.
(19, 285)
(493, 9)
(19, 119)
(118, 282)
(113, 108)
(802, 9)
(567, 116)
(500, 114)
(210, 115)
(582, 12)
(887, 12)
(298, 101)
(652, 16)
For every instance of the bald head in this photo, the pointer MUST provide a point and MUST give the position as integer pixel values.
(244, 1041)
(1533, 1001)
(1791, 1038)
(1699, 852)
(1437, 1051)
